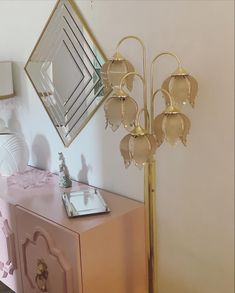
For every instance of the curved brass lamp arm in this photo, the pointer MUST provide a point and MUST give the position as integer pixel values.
(144, 92)
(152, 104)
(146, 114)
(143, 48)
(129, 74)
(152, 72)
(144, 58)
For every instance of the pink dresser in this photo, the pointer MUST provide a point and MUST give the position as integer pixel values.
(42, 250)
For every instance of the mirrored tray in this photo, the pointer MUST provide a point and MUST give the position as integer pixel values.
(85, 202)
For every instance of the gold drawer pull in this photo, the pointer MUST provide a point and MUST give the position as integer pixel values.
(41, 276)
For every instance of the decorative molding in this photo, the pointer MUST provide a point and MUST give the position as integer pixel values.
(52, 250)
(8, 267)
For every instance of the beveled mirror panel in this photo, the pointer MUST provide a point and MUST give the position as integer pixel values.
(64, 69)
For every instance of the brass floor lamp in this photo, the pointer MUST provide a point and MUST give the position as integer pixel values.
(141, 142)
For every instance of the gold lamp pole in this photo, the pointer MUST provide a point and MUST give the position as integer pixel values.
(140, 144)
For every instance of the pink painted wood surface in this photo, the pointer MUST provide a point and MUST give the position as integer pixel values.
(113, 256)
(9, 272)
(111, 246)
(46, 201)
(58, 247)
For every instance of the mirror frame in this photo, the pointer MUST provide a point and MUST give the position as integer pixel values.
(92, 37)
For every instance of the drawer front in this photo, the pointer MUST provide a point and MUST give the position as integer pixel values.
(49, 255)
(9, 274)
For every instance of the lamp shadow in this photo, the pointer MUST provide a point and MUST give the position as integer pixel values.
(83, 173)
(41, 153)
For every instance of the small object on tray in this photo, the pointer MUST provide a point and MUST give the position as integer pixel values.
(84, 202)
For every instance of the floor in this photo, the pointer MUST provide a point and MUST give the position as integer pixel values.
(4, 289)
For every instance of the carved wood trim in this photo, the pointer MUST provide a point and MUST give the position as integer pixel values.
(66, 268)
(10, 265)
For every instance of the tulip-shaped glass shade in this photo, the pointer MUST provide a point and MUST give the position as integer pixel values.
(113, 71)
(172, 126)
(138, 146)
(120, 109)
(182, 87)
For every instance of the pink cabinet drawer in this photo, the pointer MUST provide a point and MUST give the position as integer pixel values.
(49, 255)
(113, 255)
(9, 273)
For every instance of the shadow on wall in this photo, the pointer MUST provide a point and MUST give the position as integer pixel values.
(41, 153)
(13, 122)
(83, 173)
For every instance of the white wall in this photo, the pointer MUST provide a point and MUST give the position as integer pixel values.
(195, 184)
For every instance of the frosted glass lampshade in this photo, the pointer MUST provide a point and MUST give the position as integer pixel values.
(114, 70)
(172, 126)
(6, 81)
(120, 108)
(182, 87)
(138, 146)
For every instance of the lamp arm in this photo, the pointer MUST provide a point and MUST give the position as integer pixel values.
(152, 74)
(152, 104)
(143, 49)
(144, 59)
(144, 93)
(146, 114)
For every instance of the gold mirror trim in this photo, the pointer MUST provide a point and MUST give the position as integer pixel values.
(91, 35)
(7, 96)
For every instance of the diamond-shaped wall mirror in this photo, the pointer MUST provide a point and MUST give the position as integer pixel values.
(64, 69)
